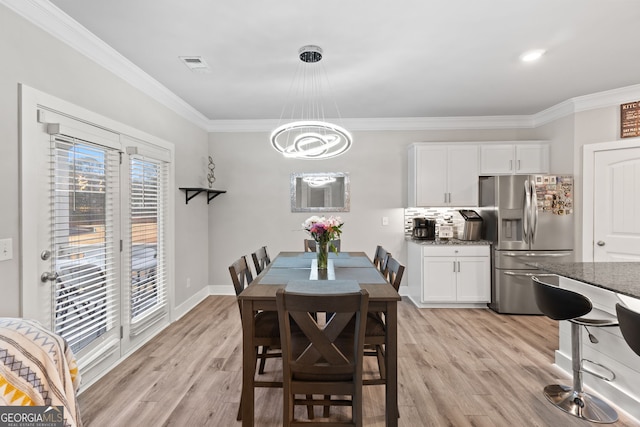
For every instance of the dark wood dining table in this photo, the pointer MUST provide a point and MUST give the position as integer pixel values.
(299, 266)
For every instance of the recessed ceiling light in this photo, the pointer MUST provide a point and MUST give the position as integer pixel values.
(532, 55)
(196, 64)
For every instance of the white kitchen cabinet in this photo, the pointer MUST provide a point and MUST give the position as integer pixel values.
(507, 159)
(449, 275)
(443, 175)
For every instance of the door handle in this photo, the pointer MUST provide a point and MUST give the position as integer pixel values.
(601, 243)
(510, 165)
(48, 277)
(454, 266)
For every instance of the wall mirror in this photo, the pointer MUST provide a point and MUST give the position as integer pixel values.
(320, 192)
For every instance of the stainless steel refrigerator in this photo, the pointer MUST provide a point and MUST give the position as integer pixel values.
(529, 218)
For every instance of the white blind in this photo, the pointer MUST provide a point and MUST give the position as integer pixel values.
(84, 184)
(148, 288)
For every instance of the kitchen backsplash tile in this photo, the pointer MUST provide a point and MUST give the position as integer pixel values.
(438, 214)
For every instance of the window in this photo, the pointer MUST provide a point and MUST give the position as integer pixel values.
(147, 184)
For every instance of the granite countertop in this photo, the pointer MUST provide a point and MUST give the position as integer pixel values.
(619, 277)
(449, 242)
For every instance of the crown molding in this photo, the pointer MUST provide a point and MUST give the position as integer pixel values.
(604, 99)
(48, 17)
(386, 124)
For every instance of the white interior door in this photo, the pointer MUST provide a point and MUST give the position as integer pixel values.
(616, 228)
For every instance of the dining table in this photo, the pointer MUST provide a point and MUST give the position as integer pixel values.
(301, 267)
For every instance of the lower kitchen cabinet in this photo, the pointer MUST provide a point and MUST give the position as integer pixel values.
(449, 275)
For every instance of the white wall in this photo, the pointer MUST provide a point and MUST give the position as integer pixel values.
(256, 210)
(32, 57)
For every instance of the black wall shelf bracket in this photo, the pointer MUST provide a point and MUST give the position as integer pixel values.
(211, 194)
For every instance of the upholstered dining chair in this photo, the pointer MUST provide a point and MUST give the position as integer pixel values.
(261, 259)
(310, 245)
(380, 259)
(319, 359)
(267, 331)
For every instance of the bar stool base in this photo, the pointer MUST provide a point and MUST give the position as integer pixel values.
(581, 405)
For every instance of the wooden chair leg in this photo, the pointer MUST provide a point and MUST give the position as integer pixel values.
(327, 408)
(310, 413)
(263, 358)
(381, 362)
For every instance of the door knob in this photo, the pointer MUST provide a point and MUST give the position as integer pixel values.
(600, 243)
(46, 276)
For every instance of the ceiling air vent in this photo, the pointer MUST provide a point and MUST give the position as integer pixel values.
(196, 64)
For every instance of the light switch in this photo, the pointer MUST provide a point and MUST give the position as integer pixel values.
(6, 249)
(385, 220)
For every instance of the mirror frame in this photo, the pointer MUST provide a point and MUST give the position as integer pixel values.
(347, 191)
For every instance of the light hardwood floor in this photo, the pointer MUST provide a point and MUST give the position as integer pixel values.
(456, 367)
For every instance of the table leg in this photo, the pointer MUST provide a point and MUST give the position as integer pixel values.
(391, 360)
(248, 364)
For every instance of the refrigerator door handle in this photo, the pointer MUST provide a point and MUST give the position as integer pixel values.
(511, 273)
(526, 210)
(534, 212)
(514, 254)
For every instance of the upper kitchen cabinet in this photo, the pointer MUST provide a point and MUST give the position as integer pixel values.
(443, 175)
(509, 159)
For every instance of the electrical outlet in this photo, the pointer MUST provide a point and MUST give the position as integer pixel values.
(385, 220)
(6, 249)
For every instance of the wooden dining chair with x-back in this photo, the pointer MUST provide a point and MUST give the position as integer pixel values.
(322, 360)
(380, 259)
(261, 259)
(267, 331)
(375, 331)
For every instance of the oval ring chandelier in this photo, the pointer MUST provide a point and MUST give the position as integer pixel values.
(310, 136)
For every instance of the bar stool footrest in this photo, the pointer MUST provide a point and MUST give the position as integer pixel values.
(581, 405)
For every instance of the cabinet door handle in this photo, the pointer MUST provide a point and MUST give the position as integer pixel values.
(454, 266)
(445, 197)
(510, 165)
(518, 164)
(458, 266)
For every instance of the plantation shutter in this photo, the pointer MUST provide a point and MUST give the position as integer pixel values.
(84, 180)
(148, 200)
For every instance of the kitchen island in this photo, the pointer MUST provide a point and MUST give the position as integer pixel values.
(605, 283)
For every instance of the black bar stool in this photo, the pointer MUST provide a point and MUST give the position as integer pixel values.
(629, 326)
(563, 304)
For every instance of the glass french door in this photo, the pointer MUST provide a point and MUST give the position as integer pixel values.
(94, 206)
(83, 220)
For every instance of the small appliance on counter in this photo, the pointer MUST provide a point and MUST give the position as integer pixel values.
(472, 225)
(424, 229)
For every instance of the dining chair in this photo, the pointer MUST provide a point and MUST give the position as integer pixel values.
(322, 359)
(261, 259)
(380, 259)
(267, 331)
(310, 245)
(376, 329)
